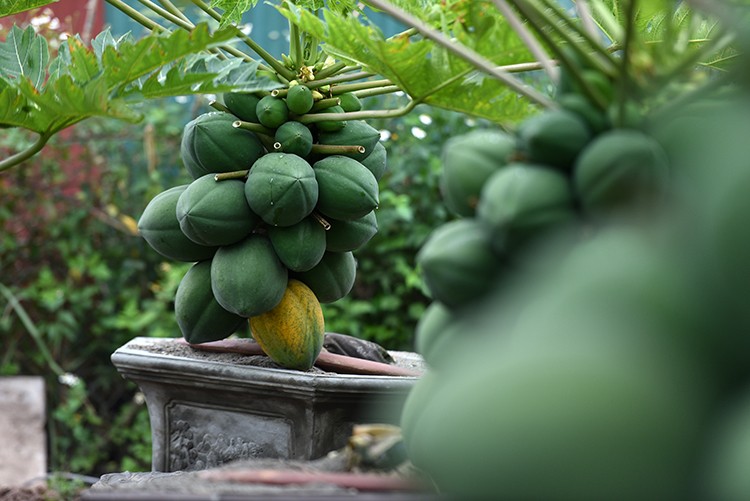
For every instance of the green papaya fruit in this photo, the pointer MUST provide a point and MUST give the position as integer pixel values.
(344, 236)
(272, 111)
(282, 189)
(567, 84)
(468, 161)
(726, 469)
(211, 144)
(247, 278)
(603, 85)
(356, 132)
(294, 137)
(300, 246)
(553, 137)
(214, 212)
(200, 317)
(522, 202)
(332, 278)
(419, 396)
(158, 225)
(349, 102)
(331, 125)
(347, 190)
(242, 105)
(430, 332)
(376, 161)
(621, 168)
(597, 120)
(457, 262)
(518, 419)
(299, 99)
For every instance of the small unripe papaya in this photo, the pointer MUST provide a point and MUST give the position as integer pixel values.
(159, 226)
(200, 317)
(457, 262)
(299, 99)
(554, 137)
(468, 161)
(242, 105)
(300, 246)
(349, 102)
(210, 144)
(214, 212)
(347, 190)
(620, 169)
(332, 278)
(331, 125)
(294, 137)
(282, 189)
(247, 278)
(272, 111)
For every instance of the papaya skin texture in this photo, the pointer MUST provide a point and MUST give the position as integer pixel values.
(292, 333)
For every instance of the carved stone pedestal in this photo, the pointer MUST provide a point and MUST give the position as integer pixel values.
(208, 409)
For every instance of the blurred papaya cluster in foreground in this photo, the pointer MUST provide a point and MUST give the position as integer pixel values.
(617, 364)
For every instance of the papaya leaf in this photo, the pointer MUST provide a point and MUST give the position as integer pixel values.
(24, 54)
(425, 71)
(10, 7)
(232, 10)
(111, 75)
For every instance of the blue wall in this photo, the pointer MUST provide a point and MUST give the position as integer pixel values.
(269, 28)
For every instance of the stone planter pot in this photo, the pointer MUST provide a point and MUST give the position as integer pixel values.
(207, 409)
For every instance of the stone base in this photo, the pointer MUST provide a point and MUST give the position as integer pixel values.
(23, 438)
(207, 410)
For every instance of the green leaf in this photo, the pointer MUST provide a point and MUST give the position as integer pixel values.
(24, 54)
(128, 61)
(232, 10)
(425, 71)
(103, 80)
(10, 7)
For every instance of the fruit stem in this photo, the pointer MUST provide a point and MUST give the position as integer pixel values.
(238, 174)
(157, 28)
(605, 63)
(324, 104)
(341, 89)
(253, 127)
(323, 221)
(172, 8)
(29, 152)
(315, 84)
(137, 16)
(377, 92)
(463, 52)
(337, 149)
(624, 80)
(528, 39)
(295, 45)
(330, 70)
(218, 106)
(276, 65)
(358, 115)
(589, 90)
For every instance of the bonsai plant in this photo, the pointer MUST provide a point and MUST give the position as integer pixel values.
(297, 119)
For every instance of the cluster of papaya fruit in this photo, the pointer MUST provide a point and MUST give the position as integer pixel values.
(275, 209)
(567, 167)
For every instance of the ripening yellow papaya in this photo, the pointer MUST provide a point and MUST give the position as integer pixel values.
(292, 333)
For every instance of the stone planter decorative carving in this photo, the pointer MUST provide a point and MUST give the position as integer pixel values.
(207, 409)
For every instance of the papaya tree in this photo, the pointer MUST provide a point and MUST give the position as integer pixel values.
(574, 91)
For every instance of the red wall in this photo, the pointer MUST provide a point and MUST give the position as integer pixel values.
(85, 17)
